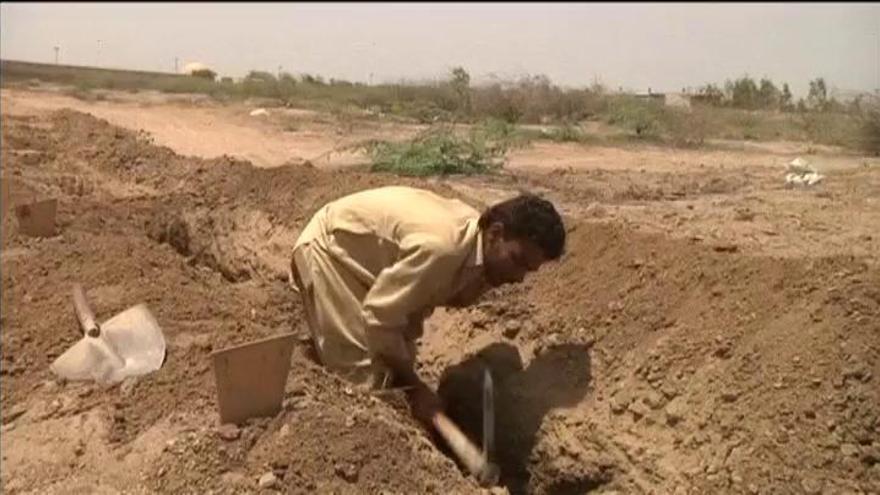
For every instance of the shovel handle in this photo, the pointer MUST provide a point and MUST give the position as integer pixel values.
(84, 313)
(485, 472)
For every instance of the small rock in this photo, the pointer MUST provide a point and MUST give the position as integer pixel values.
(816, 382)
(729, 396)
(849, 450)
(638, 410)
(669, 391)
(268, 480)
(229, 432)
(619, 403)
(753, 489)
(512, 329)
(810, 486)
(857, 373)
(723, 352)
(675, 412)
(347, 471)
(810, 414)
(233, 478)
(118, 416)
(349, 422)
(79, 450)
(654, 400)
(284, 431)
(162, 471)
(713, 467)
(871, 455)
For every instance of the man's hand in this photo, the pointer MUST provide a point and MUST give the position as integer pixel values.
(424, 403)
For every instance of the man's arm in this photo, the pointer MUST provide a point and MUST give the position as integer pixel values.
(408, 286)
(401, 290)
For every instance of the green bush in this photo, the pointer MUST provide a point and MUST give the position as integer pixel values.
(641, 117)
(438, 151)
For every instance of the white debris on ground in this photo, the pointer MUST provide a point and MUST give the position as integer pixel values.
(258, 112)
(801, 173)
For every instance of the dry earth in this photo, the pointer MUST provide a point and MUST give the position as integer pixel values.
(709, 330)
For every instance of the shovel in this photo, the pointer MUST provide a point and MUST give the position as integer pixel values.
(128, 344)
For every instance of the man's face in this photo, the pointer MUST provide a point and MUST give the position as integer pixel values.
(508, 260)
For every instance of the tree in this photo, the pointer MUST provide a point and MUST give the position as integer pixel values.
(710, 94)
(785, 98)
(768, 94)
(817, 98)
(744, 93)
(460, 81)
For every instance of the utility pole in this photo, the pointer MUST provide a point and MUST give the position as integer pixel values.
(56, 53)
(175, 65)
(98, 61)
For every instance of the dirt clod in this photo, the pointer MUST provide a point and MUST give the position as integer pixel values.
(268, 480)
(229, 432)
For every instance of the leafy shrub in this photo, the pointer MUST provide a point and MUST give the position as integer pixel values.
(438, 151)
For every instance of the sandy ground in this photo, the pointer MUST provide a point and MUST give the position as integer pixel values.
(709, 330)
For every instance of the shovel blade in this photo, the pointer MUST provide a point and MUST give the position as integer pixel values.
(88, 359)
(137, 339)
(129, 344)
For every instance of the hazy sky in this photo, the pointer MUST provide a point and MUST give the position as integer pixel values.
(662, 46)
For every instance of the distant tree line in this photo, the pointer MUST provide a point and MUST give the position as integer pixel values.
(745, 93)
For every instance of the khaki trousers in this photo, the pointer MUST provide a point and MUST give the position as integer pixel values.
(332, 299)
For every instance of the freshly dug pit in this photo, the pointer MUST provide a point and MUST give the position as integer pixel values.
(558, 377)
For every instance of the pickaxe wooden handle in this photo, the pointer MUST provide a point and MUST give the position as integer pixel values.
(476, 462)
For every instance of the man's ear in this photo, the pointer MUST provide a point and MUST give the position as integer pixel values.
(496, 230)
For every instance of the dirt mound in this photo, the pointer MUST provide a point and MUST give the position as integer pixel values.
(706, 368)
(229, 229)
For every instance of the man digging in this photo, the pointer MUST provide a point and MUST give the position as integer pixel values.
(370, 267)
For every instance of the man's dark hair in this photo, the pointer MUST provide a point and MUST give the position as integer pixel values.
(532, 218)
